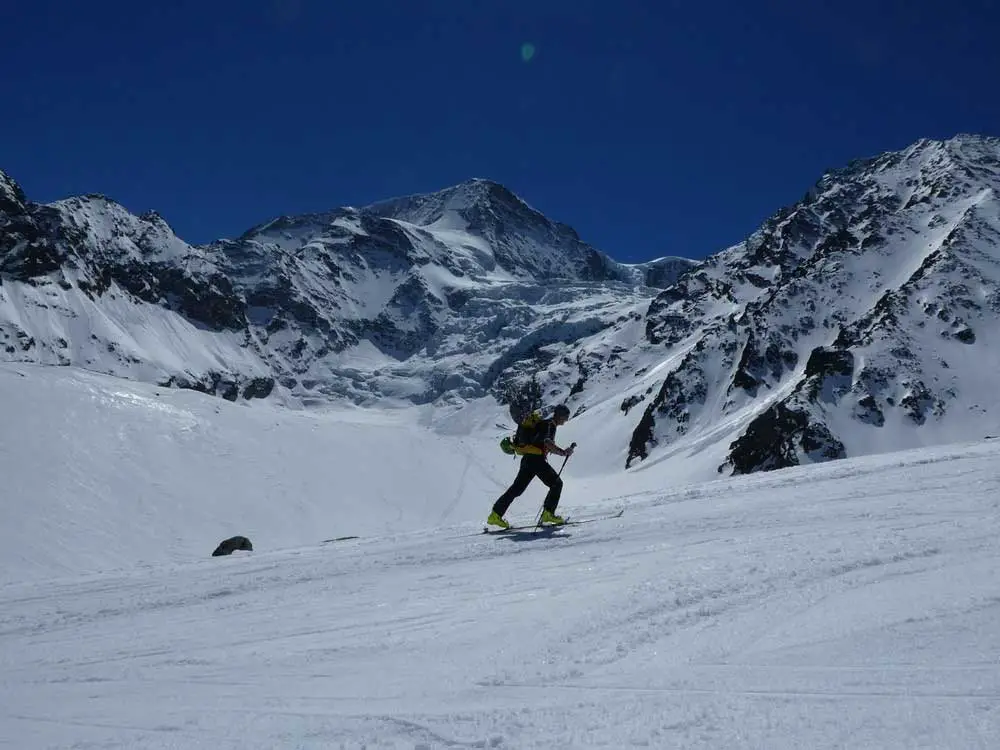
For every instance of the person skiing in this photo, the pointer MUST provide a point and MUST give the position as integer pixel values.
(533, 448)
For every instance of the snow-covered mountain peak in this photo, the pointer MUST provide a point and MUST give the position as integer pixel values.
(478, 230)
(529, 243)
(105, 226)
(868, 203)
(969, 147)
(284, 228)
(467, 205)
(928, 162)
(11, 196)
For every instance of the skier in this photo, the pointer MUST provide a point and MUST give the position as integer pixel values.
(534, 447)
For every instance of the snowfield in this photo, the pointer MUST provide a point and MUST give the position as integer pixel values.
(852, 604)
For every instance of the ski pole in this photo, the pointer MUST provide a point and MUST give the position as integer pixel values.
(572, 446)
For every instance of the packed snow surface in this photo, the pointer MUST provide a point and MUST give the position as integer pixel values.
(852, 604)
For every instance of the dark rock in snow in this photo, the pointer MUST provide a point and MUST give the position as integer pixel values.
(775, 438)
(233, 544)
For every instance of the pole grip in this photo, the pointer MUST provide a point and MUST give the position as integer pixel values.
(572, 445)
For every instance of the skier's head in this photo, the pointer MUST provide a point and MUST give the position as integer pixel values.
(560, 414)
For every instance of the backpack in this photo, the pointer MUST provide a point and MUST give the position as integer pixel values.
(524, 436)
(527, 430)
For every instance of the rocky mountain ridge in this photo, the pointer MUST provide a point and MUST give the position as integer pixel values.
(388, 301)
(848, 323)
(858, 320)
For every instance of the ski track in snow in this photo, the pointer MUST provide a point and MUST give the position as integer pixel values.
(845, 605)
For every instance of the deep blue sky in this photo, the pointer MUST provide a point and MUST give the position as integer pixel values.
(653, 127)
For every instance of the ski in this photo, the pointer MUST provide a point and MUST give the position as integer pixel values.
(604, 517)
(339, 539)
(569, 522)
(488, 530)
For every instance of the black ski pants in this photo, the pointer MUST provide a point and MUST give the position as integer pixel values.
(532, 466)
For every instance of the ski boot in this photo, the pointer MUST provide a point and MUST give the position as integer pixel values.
(551, 518)
(496, 520)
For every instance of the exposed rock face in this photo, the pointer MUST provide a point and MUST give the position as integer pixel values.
(777, 438)
(845, 312)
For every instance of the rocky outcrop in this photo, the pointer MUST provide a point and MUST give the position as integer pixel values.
(780, 438)
(231, 545)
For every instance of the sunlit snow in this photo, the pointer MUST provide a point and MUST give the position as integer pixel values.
(847, 605)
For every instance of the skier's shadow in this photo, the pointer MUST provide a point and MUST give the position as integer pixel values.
(544, 532)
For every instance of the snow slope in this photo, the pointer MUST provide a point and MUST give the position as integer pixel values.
(101, 472)
(851, 604)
